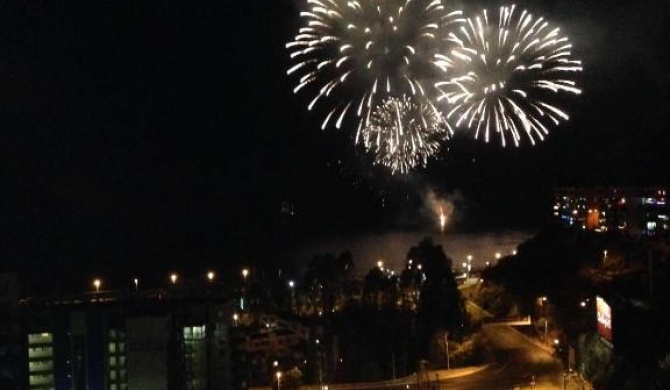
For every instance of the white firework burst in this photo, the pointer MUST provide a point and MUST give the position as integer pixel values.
(405, 132)
(501, 76)
(351, 54)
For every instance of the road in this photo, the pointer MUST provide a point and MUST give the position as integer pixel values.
(518, 361)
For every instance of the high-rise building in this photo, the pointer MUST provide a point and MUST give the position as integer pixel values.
(636, 211)
(149, 340)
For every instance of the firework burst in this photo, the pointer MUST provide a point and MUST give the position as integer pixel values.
(404, 133)
(499, 76)
(351, 54)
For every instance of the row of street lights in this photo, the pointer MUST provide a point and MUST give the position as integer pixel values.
(467, 267)
(174, 278)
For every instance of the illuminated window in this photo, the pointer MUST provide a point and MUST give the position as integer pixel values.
(116, 360)
(195, 357)
(40, 361)
(40, 338)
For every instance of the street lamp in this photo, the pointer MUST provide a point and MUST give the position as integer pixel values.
(446, 346)
(96, 284)
(278, 380)
(173, 278)
(543, 301)
(291, 285)
(235, 318)
(210, 276)
(245, 273)
(137, 283)
(546, 326)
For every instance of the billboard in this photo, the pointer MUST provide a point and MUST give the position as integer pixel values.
(604, 313)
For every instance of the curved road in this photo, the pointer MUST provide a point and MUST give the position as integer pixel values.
(518, 361)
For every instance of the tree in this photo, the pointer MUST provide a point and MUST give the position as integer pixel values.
(380, 289)
(324, 278)
(440, 306)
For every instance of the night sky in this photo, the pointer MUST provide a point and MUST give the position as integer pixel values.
(147, 136)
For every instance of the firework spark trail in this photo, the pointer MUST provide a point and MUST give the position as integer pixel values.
(351, 54)
(498, 77)
(405, 132)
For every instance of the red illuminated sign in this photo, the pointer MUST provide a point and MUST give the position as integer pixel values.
(604, 312)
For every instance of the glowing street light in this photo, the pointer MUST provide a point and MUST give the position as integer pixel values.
(235, 318)
(210, 276)
(245, 273)
(380, 265)
(173, 278)
(498, 255)
(137, 283)
(291, 283)
(97, 283)
(278, 380)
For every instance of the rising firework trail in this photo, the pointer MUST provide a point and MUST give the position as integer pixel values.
(503, 74)
(350, 55)
(443, 219)
(404, 133)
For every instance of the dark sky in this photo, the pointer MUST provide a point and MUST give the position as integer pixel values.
(155, 135)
